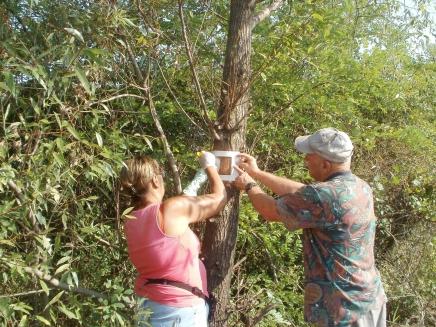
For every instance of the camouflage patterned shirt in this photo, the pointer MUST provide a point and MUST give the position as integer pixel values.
(338, 221)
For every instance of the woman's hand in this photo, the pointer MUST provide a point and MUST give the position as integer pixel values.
(207, 159)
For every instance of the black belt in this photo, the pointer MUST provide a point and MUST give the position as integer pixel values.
(194, 290)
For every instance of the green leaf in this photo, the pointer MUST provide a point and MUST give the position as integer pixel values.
(127, 211)
(263, 76)
(129, 22)
(67, 312)
(44, 287)
(318, 17)
(75, 278)
(62, 268)
(60, 161)
(62, 260)
(54, 299)
(35, 106)
(9, 84)
(75, 33)
(4, 86)
(82, 78)
(43, 320)
(99, 139)
(148, 142)
(23, 321)
(73, 131)
(41, 219)
(7, 242)
(120, 319)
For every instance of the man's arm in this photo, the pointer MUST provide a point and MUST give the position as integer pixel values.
(279, 185)
(263, 203)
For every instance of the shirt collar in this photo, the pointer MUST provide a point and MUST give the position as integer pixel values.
(338, 173)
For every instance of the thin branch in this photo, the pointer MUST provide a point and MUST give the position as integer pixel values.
(167, 149)
(289, 103)
(58, 284)
(237, 264)
(21, 294)
(262, 313)
(266, 12)
(177, 101)
(115, 97)
(194, 74)
(148, 98)
(20, 196)
(149, 24)
(270, 259)
(134, 63)
(16, 191)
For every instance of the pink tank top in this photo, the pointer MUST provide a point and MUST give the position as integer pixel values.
(156, 255)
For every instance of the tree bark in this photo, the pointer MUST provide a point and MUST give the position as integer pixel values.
(220, 234)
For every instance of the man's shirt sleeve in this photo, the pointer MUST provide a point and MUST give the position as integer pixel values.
(303, 209)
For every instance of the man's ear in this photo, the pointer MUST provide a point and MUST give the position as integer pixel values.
(327, 165)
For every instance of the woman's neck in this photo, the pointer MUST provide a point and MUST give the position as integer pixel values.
(147, 199)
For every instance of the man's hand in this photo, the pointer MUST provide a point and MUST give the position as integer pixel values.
(242, 180)
(207, 159)
(248, 163)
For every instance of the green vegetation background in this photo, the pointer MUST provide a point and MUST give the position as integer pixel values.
(72, 109)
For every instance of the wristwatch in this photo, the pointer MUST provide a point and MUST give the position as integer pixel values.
(249, 186)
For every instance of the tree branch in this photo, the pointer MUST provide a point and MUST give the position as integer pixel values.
(58, 284)
(169, 154)
(20, 196)
(138, 73)
(177, 101)
(8, 296)
(262, 313)
(148, 98)
(114, 98)
(266, 12)
(206, 118)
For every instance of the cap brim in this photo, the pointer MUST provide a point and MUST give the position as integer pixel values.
(302, 144)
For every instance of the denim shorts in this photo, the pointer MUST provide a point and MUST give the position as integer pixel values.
(153, 314)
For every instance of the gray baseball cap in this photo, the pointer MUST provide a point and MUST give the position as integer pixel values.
(329, 143)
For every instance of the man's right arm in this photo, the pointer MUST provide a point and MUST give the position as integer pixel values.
(278, 185)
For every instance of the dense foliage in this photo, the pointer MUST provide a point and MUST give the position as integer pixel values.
(73, 106)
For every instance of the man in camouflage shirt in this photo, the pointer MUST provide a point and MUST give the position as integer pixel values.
(342, 284)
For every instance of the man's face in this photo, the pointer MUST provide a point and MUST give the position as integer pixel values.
(316, 165)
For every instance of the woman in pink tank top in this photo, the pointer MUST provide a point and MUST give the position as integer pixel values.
(171, 280)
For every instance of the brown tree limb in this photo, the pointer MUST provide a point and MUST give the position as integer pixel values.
(149, 99)
(206, 118)
(169, 154)
(119, 96)
(266, 12)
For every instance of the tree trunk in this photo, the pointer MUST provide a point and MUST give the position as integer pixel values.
(220, 235)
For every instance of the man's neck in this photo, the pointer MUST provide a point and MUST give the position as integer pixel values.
(337, 172)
